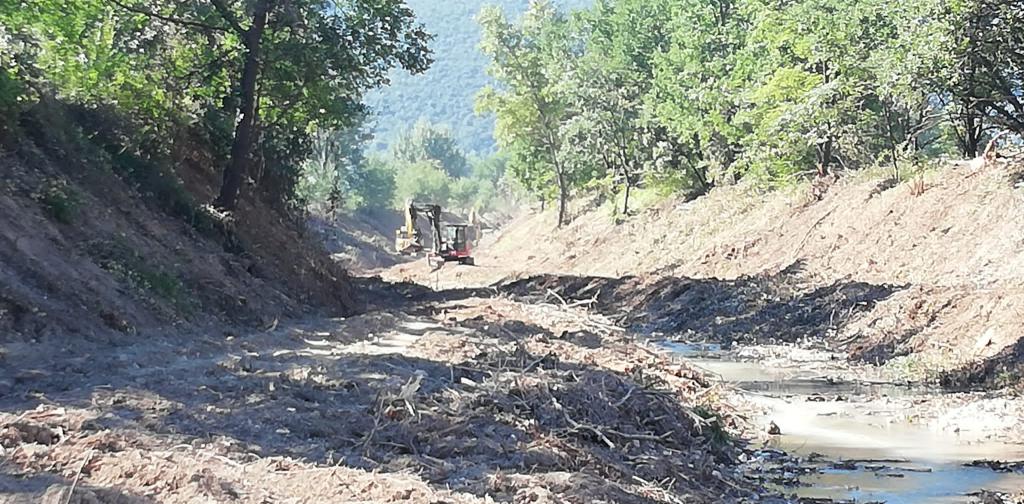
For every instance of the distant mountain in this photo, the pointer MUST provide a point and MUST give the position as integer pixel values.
(445, 93)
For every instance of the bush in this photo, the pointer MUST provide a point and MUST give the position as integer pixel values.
(373, 186)
(465, 193)
(119, 258)
(423, 182)
(12, 93)
(59, 201)
(429, 142)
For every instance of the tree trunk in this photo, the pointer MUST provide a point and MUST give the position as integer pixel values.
(893, 150)
(624, 159)
(625, 202)
(824, 152)
(241, 146)
(563, 198)
(972, 132)
(699, 173)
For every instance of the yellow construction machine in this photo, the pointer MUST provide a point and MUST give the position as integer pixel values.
(452, 246)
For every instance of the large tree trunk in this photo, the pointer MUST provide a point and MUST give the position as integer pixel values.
(699, 172)
(241, 146)
(972, 132)
(627, 180)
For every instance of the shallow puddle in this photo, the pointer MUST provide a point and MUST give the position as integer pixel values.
(944, 484)
(780, 381)
(861, 442)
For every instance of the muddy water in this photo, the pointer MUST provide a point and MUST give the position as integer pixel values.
(858, 442)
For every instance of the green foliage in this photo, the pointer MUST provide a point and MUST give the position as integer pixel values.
(374, 186)
(983, 73)
(464, 192)
(615, 141)
(425, 165)
(336, 165)
(422, 182)
(59, 200)
(681, 95)
(12, 93)
(444, 93)
(490, 169)
(168, 64)
(493, 190)
(118, 257)
(427, 142)
(529, 100)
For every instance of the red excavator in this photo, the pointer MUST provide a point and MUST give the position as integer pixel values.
(451, 246)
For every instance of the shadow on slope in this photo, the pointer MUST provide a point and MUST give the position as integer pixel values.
(767, 308)
(103, 229)
(1005, 369)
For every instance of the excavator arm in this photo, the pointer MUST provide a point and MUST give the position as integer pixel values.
(409, 239)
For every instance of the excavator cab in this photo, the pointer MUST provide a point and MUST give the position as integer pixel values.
(457, 246)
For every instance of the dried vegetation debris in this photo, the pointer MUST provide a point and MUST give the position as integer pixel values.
(492, 400)
(787, 306)
(927, 268)
(538, 402)
(124, 466)
(988, 497)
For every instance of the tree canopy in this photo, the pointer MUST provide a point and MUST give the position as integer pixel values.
(688, 94)
(260, 75)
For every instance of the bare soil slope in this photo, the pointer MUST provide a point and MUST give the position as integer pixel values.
(96, 241)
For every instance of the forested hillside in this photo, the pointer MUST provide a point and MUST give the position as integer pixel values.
(681, 97)
(444, 94)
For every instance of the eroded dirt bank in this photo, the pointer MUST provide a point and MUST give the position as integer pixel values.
(467, 396)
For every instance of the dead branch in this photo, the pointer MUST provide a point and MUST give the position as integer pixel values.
(640, 437)
(560, 298)
(811, 230)
(625, 398)
(989, 155)
(576, 426)
(529, 367)
(78, 475)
